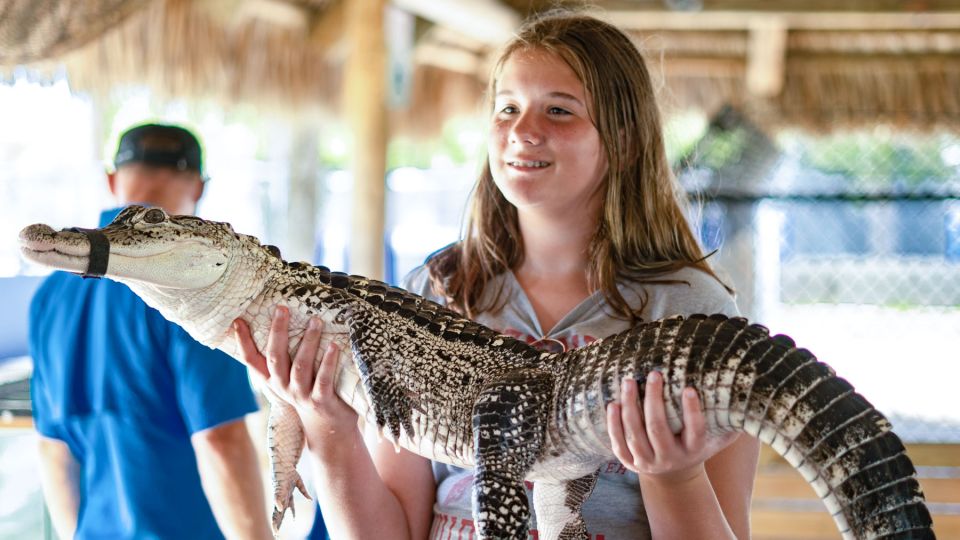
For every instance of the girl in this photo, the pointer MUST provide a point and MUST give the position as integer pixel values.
(576, 232)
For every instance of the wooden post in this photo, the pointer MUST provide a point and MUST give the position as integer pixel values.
(365, 104)
(302, 194)
(767, 56)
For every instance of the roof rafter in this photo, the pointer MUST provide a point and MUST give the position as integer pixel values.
(487, 21)
(744, 20)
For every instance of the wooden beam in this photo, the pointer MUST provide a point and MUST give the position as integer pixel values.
(12, 421)
(448, 58)
(365, 83)
(743, 20)
(327, 29)
(766, 56)
(870, 6)
(276, 12)
(487, 21)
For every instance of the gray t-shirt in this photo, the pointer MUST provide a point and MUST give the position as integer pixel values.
(615, 509)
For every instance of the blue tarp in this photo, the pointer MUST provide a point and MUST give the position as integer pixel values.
(15, 295)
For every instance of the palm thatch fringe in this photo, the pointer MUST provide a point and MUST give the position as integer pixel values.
(184, 48)
(32, 30)
(180, 50)
(832, 80)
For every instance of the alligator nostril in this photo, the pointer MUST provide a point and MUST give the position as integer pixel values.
(36, 231)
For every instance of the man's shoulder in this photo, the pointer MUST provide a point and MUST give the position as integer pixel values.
(64, 296)
(60, 287)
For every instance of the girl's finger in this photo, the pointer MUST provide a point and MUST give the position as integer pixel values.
(278, 355)
(662, 440)
(633, 420)
(249, 354)
(304, 369)
(618, 442)
(327, 372)
(694, 422)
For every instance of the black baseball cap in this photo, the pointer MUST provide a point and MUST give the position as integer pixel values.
(160, 145)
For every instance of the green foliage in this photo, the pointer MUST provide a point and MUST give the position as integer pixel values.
(460, 142)
(876, 159)
(723, 149)
(681, 133)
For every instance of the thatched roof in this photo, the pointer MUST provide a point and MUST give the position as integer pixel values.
(828, 78)
(208, 50)
(819, 69)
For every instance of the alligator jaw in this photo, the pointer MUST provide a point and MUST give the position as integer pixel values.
(162, 266)
(63, 250)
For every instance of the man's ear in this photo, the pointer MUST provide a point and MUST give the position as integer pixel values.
(198, 192)
(112, 182)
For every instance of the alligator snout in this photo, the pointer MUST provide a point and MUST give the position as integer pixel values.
(41, 238)
(36, 233)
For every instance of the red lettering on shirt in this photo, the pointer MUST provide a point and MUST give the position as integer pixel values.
(459, 489)
(465, 524)
(445, 527)
(615, 467)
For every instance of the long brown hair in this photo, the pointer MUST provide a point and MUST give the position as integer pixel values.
(642, 232)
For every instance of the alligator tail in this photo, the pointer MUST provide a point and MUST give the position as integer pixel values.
(846, 449)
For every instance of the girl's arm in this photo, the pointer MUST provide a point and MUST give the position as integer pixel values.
(693, 485)
(375, 494)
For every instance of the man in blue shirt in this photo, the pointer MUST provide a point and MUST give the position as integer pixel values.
(142, 431)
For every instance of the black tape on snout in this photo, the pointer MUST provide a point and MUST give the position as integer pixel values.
(99, 252)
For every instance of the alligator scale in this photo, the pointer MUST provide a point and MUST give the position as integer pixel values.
(457, 392)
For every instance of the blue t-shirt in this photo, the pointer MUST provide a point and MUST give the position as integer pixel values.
(124, 388)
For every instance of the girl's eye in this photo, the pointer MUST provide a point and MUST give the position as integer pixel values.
(508, 109)
(557, 110)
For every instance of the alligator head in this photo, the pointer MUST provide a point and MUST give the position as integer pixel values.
(197, 273)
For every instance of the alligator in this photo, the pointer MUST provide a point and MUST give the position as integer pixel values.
(454, 391)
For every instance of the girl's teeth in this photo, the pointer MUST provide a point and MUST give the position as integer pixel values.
(529, 163)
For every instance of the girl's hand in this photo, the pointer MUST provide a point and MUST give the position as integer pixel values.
(305, 382)
(642, 439)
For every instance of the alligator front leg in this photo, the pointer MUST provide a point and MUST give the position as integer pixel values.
(285, 439)
(508, 434)
(558, 507)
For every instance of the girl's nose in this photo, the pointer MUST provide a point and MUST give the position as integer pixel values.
(526, 130)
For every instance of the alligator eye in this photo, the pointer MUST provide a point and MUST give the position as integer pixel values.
(154, 216)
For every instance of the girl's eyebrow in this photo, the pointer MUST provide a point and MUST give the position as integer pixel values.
(556, 95)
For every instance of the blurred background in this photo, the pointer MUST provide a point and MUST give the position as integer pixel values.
(819, 142)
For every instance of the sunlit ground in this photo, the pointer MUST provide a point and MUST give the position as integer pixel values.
(905, 362)
(21, 509)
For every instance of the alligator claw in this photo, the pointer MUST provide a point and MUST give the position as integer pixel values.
(282, 503)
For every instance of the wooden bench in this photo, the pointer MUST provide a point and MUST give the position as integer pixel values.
(786, 508)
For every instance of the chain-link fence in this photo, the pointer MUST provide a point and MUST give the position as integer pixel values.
(850, 243)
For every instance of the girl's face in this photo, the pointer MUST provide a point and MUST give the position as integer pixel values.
(545, 153)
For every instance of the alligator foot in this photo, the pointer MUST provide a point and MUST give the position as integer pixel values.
(283, 502)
